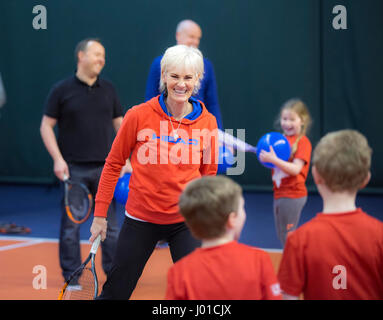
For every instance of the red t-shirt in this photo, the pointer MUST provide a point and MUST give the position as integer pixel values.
(335, 256)
(294, 186)
(231, 271)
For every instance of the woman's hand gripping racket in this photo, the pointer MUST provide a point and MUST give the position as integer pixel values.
(78, 201)
(83, 284)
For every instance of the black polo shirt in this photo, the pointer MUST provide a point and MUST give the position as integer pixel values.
(84, 118)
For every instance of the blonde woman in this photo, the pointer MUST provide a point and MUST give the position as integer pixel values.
(160, 137)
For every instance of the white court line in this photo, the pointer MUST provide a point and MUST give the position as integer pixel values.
(16, 238)
(29, 241)
(272, 250)
(19, 245)
(53, 240)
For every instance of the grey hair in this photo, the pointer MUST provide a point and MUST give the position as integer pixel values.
(182, 25)
(185, 56)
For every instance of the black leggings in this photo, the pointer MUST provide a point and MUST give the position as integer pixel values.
(136, 243)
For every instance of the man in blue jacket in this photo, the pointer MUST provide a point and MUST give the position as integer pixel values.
(189, 33)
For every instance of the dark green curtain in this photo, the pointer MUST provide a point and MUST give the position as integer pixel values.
(264, 52)
(352, 75)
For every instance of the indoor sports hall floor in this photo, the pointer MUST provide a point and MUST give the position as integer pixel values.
(23, 257)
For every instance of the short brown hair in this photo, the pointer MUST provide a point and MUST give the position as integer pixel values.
(206, 204)
(82, 46)
(343, 160)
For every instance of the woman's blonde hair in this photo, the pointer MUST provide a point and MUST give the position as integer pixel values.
(300, 108)
(181, 55)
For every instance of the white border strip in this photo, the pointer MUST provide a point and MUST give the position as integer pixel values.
(272, 250)
(34, 240)
(19, 245)
(29, 241)
(16, 238)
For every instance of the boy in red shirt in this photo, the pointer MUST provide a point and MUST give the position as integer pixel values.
(222, 269)
(339, 253)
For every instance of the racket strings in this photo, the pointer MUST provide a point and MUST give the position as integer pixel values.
(78, 201)
(81, 288)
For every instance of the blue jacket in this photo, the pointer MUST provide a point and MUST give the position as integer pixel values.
(207, 93)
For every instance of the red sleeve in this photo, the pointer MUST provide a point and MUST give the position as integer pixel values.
(122, 146)
(304, 150)
(291, 272)
(270, 285)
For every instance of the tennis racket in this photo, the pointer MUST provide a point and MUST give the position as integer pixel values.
(229, 140)
(83, 284)
(78, 201)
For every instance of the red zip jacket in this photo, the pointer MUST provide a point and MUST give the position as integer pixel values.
(162, 165)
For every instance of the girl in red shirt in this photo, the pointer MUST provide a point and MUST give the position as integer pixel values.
(289, 177)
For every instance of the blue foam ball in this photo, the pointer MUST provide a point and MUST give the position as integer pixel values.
(225, 160)
(279, 143)
(121, 191)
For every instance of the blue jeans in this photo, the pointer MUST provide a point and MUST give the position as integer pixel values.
(69, 246)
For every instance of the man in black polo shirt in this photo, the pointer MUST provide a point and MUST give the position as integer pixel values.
(86, 109)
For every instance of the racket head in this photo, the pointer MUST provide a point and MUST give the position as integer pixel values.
(78, 201)
(83, 283)
(82, 286)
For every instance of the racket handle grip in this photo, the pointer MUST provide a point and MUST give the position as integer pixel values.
(95, 244)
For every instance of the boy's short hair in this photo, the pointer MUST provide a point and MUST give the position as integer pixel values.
(343, 160)
(206, 204)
